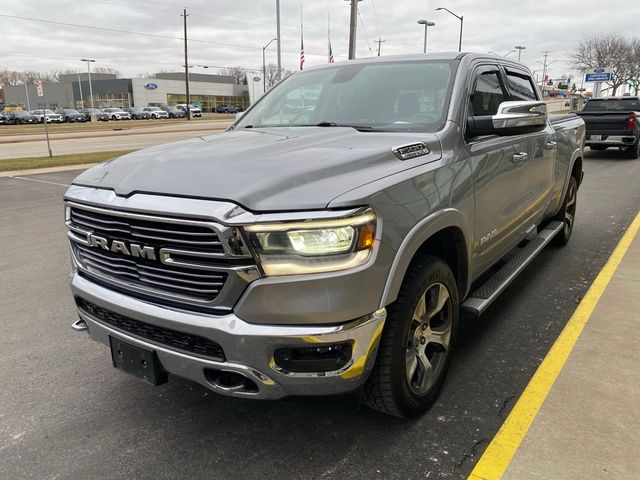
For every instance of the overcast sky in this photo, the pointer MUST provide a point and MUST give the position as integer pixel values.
(232, 32)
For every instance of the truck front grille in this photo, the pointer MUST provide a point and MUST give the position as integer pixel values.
(185, 263)
(164, 336)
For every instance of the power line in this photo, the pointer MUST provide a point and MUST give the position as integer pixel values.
(375, 19)
(143, 34)
(364, 31)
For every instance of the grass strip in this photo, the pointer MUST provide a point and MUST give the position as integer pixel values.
(58, 160)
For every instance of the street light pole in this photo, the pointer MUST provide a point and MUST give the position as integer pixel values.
(426, 24)
(519, 48)
(186, 65)
(279, 74)
(89, 62)
(459, 17)
(80, 87)
(264, 65)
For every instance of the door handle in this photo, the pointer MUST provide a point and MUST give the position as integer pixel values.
(520, 157)
(551, 144)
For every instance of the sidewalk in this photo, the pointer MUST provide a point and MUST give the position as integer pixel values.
(118, 130)
(589, 424)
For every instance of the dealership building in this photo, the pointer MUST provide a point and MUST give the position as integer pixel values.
(74, 91)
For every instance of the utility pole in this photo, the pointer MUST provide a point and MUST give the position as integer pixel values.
(544, 71)
(278, 46)
(89, 62)
(352, 28)
(379, 42)
(186, 64)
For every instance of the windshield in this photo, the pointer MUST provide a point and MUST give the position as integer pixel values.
(21, 113)
(152, 109)
(389, 96)
(68, 110)
(613, 105)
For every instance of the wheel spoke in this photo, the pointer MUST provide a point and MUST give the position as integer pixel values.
(441, 296)
(425, 371)
(419, 312)
(412, 364)
(568, 219)
(439, 336)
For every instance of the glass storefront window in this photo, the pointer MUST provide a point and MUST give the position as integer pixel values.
(209, 103)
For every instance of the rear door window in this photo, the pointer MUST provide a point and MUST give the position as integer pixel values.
(520, 87)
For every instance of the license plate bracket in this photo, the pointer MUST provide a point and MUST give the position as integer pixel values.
(136, 361)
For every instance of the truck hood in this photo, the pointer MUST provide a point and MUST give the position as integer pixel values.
(262, 170)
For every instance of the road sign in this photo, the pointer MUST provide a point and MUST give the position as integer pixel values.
(598, 75)
(38, 84)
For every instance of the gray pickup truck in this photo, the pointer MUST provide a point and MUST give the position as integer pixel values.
(327, 242)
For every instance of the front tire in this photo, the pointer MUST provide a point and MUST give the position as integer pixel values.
(416, 344)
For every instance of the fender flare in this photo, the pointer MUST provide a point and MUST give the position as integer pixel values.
(420, 233)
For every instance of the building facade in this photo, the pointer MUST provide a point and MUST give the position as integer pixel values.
(75, 91)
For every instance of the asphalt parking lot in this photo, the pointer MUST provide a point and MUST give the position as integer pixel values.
(66, 413)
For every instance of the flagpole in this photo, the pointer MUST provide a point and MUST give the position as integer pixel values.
(329, 34)
(301, 41)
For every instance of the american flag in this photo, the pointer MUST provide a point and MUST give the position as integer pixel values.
(330, 53)
(301, 53)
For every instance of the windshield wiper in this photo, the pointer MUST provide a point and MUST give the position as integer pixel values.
(334, 124)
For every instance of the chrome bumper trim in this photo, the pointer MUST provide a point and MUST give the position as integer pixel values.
(249, 348)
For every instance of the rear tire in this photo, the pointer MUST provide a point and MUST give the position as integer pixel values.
(634, 151)
(416, 344)
(567, 214)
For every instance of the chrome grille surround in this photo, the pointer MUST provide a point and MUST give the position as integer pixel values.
(196, 264)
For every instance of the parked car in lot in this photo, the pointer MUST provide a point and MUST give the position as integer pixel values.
(156, 112)
(137, 113)
(3, 119)
(333, 250)
(52, 117)
(71, 115)
(175, 112)
(227, 109)
(195, 110)
(613, 122)
(100, 115)
(115, 113)
(18, 117)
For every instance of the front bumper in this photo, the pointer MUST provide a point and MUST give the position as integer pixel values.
(249, 348)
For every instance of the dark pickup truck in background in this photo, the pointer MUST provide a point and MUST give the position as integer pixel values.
(613, 122)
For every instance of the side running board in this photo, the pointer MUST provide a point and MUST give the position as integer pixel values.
(483, 296)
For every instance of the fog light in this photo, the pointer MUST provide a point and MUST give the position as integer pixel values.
(319, 358)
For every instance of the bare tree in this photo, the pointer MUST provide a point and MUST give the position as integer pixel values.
(607, 51)
(238, 73)
(112, 71)
(633, 62)
(9, 77)
(271, 74)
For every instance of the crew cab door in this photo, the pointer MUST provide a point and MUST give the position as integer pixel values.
(498, 163)
(540, 148)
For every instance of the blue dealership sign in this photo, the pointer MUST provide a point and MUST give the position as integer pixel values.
(597, 77)
(150, 86)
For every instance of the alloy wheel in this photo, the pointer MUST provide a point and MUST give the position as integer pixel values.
(427, 345)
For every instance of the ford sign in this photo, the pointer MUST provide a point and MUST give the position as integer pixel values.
(150, 86)
(256, 79)
(599, 70)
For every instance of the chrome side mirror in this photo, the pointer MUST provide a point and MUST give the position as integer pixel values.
(513, 118)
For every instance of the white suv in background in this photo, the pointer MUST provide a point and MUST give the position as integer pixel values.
(156, 112)
(52, 117)
(195, 111)
(117, 114)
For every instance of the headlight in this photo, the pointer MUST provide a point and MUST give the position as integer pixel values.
(313, 246)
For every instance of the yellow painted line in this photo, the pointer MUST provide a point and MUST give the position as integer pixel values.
(504, 445)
